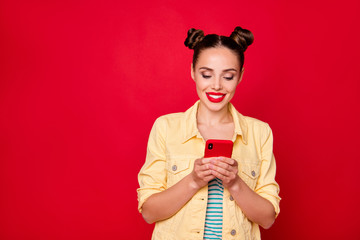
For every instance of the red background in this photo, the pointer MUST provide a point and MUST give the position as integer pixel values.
(82, 82)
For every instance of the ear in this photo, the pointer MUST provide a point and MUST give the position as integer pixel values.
(241, 75)
(192, 72)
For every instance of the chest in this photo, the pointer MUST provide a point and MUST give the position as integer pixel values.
(221, 131)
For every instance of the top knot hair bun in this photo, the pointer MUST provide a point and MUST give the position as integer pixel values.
(237, 42)
(194, 36)
(243, 37)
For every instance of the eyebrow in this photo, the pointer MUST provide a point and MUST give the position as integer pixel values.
(226, 70)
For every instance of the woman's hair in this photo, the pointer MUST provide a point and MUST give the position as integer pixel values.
(238, 42)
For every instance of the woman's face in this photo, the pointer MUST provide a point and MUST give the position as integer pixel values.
(216, 74)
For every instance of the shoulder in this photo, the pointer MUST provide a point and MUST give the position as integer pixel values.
(167, 122)
(254, 128)
(256, 131)
(259, 130)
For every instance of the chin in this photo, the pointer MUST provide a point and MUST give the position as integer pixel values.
(215, 107)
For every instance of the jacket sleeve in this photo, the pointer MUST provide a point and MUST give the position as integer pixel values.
(266, 185)
(152, 176)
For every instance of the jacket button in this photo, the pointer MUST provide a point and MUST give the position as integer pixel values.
(233, 232)
(174, 168)
(231, 198)
(253, 173)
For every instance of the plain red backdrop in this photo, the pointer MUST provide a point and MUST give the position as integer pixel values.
(81, 83)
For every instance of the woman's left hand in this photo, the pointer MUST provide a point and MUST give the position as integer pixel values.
(225, 169)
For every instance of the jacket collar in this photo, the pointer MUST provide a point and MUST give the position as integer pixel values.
(190, 130)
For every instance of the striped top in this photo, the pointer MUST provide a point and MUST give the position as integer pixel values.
(214, 210)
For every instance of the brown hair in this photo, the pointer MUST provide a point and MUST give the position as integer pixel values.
(238, 42)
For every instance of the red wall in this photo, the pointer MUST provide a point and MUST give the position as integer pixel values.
(81, 83)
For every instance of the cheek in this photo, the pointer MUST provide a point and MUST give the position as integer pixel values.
(200, 84)
(231, 86)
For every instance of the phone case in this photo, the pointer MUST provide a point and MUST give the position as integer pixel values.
(218, 148)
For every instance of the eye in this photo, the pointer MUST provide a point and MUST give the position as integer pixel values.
(229, 78)
(206, 76)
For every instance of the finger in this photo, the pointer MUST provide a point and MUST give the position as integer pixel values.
(218, 175)
(204, 175)
(198, 161)
(201, 161)
(229, 161)
(208, 160)
(220, 170)
(205, 172)
(227, 174)
(225, 179)
(202, 167)
(209, 178)
(223, 165)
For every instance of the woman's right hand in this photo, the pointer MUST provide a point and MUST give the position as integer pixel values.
(201, 173)
(164, 204)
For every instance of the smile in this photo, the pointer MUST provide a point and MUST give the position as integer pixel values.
(215, 97)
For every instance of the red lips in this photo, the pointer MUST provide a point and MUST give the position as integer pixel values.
(215, 97)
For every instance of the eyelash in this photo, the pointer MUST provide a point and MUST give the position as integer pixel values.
(229, 78)
(208, 76)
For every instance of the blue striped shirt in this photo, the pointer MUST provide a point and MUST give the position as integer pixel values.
(214, 210)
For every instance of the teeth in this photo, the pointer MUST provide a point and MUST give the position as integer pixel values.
(216, 96)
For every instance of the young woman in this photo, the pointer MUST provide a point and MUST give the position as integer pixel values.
(192, 197)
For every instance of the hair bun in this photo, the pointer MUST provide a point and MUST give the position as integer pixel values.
(194, 36)
(243, 37)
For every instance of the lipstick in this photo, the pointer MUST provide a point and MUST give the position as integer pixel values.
(215, 97)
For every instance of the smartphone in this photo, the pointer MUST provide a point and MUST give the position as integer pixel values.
(218, 148)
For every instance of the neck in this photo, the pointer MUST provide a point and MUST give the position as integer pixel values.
(211, 118)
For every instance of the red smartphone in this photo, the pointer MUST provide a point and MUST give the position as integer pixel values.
(218, 148)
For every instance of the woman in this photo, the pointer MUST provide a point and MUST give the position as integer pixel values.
(177, 184)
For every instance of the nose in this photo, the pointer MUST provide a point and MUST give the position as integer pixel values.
(216, 85)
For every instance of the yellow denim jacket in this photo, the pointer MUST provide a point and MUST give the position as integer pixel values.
(175, 143)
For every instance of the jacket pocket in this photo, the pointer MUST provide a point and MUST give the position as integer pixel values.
(177, 169)
(249, 172)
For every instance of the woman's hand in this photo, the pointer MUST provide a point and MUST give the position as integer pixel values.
(225, 169)
(201, 173)
(256, 208)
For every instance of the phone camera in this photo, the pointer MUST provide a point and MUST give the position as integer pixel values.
(210, 146)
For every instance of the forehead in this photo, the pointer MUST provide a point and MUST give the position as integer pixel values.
(218, 58)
